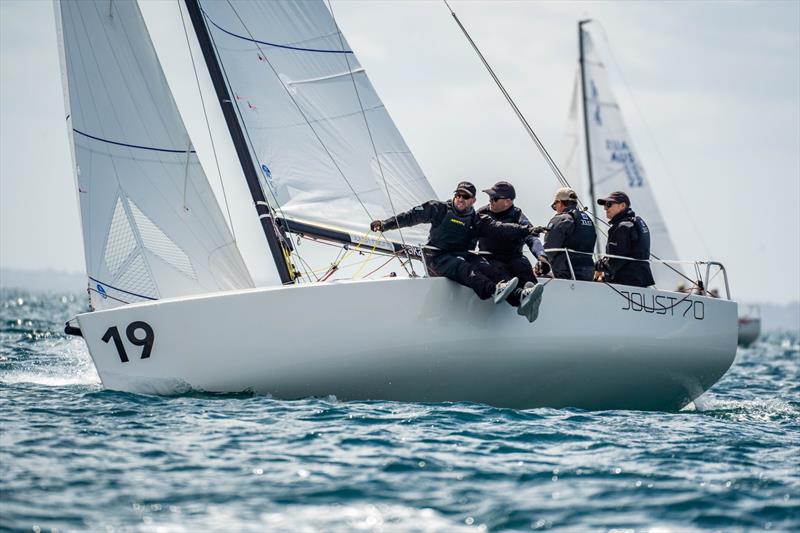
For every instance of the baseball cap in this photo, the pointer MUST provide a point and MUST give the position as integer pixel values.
(616, 197)
(466, 187)
(564, 194)
(502, 189)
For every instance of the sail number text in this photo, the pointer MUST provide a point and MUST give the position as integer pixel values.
(663, 305)
(145, 341)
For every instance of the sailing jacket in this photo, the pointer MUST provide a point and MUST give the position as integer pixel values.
(452, 231)
(628, 236)
(571, 229)
(505, 249)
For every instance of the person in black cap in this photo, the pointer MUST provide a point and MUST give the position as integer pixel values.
(573, 229)
(628, 236)
(455, 228)
(504, 255)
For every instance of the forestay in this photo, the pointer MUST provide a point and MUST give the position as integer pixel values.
(615, 164)
(151, 224)
(305, 102)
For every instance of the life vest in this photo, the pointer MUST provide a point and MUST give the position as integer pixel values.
(455, 232)
(581, 239)
(502, 247)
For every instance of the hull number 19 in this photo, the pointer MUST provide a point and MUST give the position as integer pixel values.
(145, 341)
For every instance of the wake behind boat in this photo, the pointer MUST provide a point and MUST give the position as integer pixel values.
(174, 304)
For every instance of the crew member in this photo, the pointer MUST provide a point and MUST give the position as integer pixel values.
(455, 228)
(504, 255)
(628, 236)
(573, 229)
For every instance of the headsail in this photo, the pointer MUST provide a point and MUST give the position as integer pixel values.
(151, 225)
(305, 101)
(615, 164)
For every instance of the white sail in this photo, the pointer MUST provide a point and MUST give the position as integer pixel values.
(616, 165)
(151, 225)
(304, 101)
(571, 157)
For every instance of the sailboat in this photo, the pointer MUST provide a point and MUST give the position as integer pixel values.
(749, 325)
(173, 303)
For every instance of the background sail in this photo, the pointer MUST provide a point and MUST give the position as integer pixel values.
(151, 225)
(294, 81)
(616, 165)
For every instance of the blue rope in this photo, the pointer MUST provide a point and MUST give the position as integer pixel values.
(320, 50)
(120, 290)
(133, 145)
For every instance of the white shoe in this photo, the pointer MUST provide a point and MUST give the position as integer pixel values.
(530, 300)
(503, 289)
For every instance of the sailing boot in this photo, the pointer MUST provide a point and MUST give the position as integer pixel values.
(531, 299)
(503, 289)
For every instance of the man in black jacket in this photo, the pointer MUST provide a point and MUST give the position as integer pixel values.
(573, 229)
(455, 228)
(628, 236)
(505, 255)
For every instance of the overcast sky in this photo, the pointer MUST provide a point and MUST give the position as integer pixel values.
(716, 85)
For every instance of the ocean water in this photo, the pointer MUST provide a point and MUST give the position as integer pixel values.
(76, 457)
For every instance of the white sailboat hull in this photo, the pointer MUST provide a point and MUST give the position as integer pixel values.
(425, 340)
(749, 330)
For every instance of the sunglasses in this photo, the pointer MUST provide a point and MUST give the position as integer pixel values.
(463, 196)
(608, 204)
(496, 198)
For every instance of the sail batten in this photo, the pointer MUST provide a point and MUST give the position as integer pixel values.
(151, 225)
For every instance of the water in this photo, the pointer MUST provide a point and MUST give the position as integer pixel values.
(76, 457)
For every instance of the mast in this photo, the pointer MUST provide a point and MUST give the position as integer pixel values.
(592, 194)
(279, 250)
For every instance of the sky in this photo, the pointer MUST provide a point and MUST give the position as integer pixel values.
(710, 92)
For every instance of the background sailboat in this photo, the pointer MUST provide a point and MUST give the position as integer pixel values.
(600, 156)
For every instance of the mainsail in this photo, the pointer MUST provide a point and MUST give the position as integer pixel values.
(327, 150)
(151, 225)
(615, 165)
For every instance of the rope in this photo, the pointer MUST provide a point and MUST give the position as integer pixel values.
(371, 139)
(556, 171)
(208, 125)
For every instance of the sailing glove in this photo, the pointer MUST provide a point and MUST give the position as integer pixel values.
(376, 225)
(536, 230)
(542, 268)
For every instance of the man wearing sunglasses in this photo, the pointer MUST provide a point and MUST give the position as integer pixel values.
(573, 229)
(628, 236)
(504, 255)
(455, 228)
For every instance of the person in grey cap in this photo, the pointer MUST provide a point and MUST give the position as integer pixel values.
(505, 256)
(628, 236)
(455, 228)
(573, 229)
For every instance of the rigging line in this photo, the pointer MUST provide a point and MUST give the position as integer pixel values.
(205, 116)
(371, 138)
(302, 113)
(367, 275)
(556, 171)
(275, 45)
(655, 145)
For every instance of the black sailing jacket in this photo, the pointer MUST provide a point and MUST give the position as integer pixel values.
(628, 236)
(452, 231)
